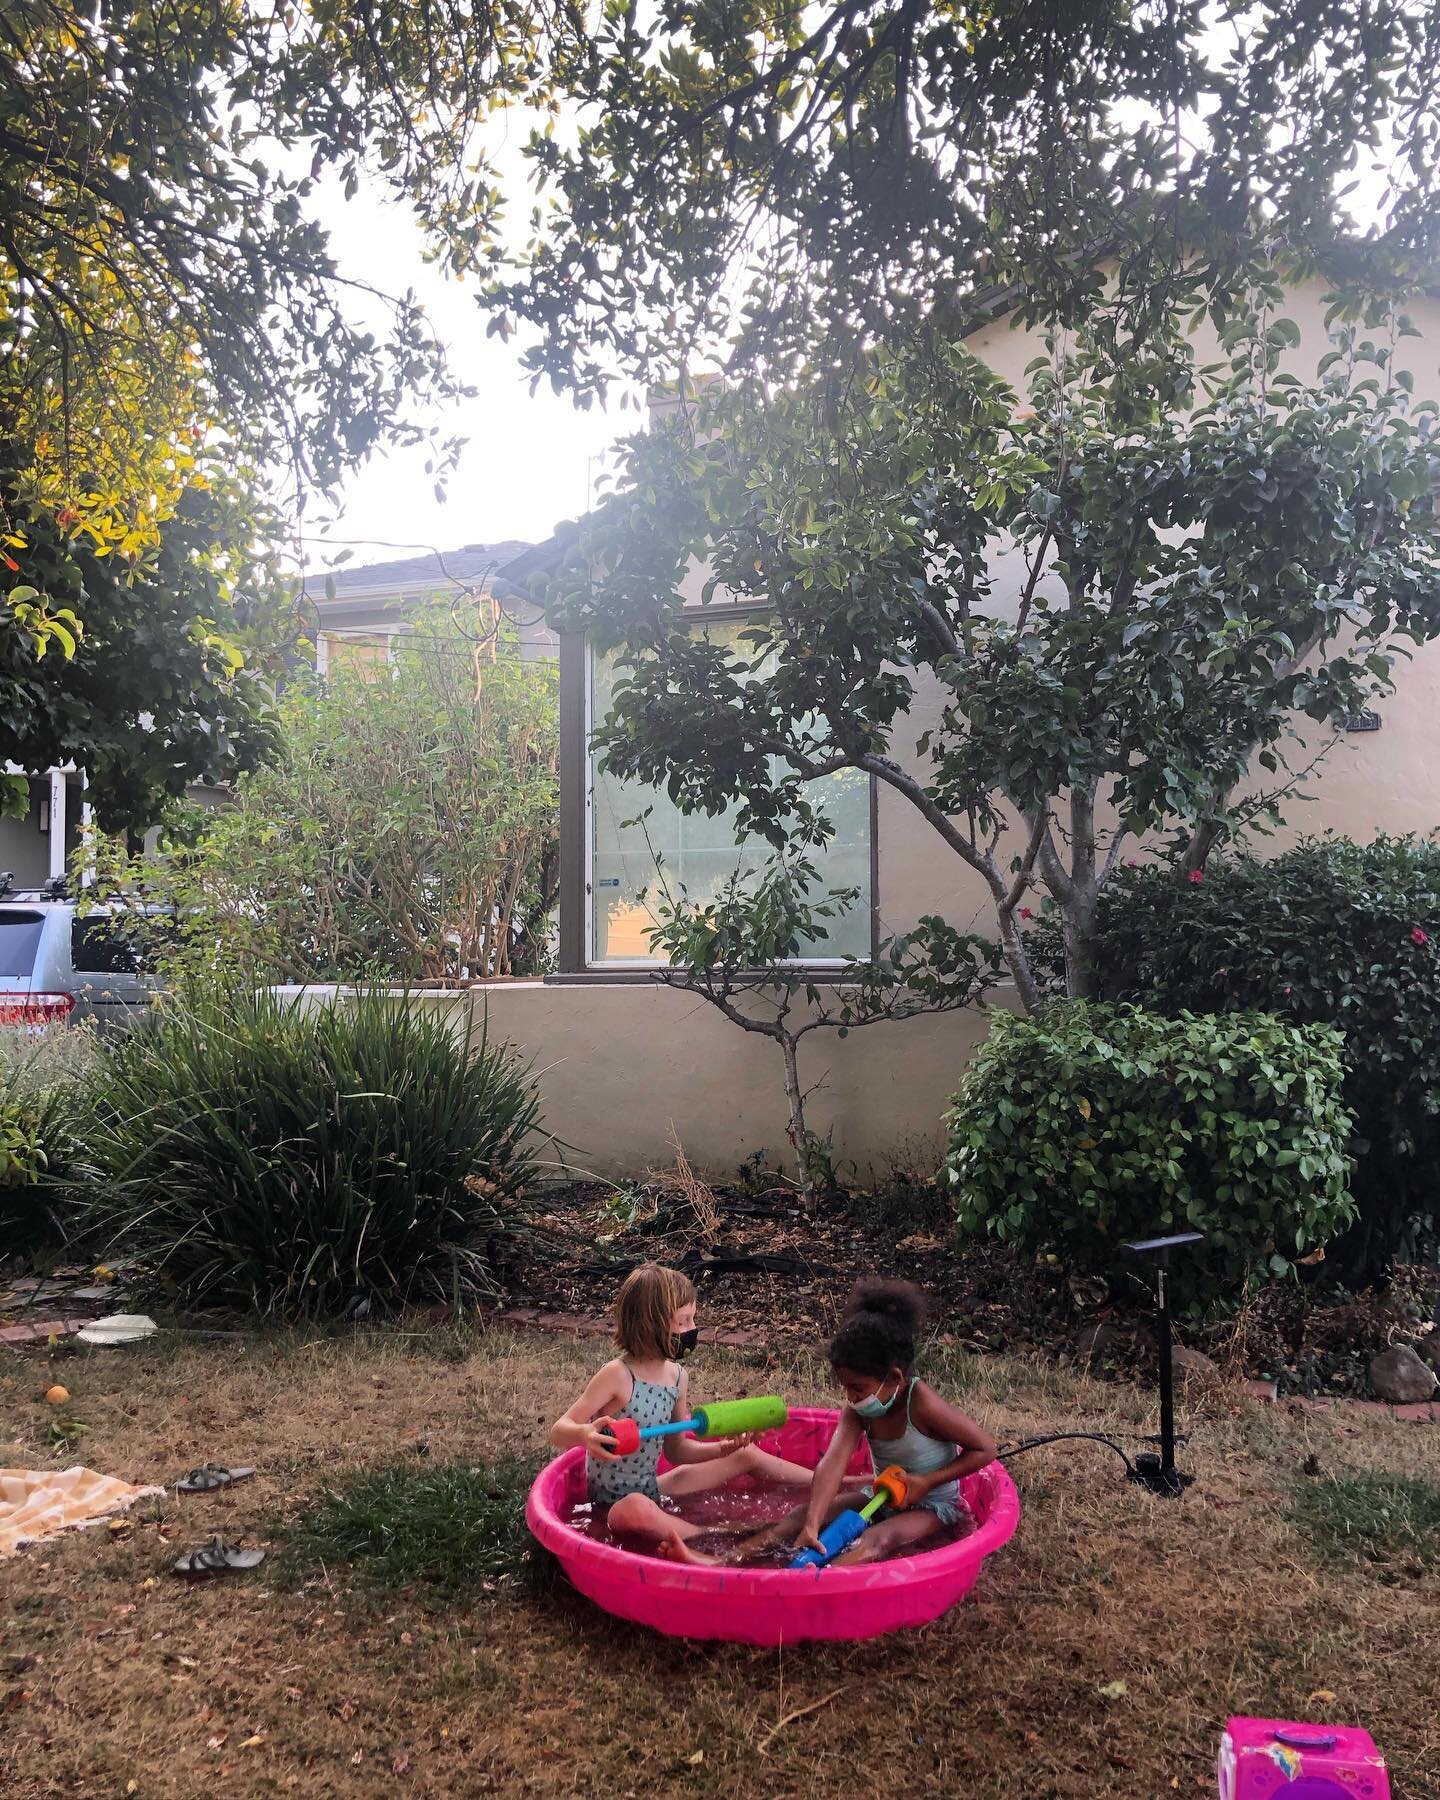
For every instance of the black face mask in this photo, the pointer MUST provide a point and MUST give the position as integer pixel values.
(685, 1341)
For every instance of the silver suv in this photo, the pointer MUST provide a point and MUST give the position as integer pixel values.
(59, 963)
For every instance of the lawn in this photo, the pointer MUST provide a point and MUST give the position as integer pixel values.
(1099, 1657)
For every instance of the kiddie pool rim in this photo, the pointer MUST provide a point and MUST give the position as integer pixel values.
(750, 1605)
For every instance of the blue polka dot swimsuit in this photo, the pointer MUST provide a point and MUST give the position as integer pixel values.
(650, 1403)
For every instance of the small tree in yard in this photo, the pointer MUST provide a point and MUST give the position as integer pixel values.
(1189, 586)
(743, 952)
(405, 832)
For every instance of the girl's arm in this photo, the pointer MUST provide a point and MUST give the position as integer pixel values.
(829, 1478)
(939, 1419)
(582, 1423)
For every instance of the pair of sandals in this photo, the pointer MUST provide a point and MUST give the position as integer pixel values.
(219, 1556)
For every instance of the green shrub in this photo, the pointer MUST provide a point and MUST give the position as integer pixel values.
(48, 1082)
(1330, 932)
(1091, 1126)
(300, 1161)
(451, 1526)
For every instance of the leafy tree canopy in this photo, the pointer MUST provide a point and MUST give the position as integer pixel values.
(165, 285)
(749, 168)
(135, 676)
(176, 341)
(1120, 615)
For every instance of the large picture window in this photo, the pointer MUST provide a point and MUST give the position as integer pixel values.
(699, 852)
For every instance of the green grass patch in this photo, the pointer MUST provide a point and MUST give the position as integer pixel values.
(454, 1526)
(1391, 1521)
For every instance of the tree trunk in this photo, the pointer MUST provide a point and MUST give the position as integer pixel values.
(1012, 942)
(1078, 930)
(799, 1135)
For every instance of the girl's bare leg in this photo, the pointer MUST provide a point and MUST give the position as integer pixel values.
(641, 1517)
(696, 1478)
(891, 1536)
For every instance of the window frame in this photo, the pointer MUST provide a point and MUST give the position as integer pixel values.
(577, 959)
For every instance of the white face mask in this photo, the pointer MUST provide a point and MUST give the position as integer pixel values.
(873, 1407)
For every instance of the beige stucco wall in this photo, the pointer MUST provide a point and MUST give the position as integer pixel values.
(623, 1067)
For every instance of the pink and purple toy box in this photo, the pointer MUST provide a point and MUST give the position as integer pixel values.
(1270, 1759)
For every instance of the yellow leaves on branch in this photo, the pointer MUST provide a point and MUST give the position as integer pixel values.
(114, 442)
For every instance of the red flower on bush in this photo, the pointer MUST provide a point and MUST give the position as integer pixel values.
(1417, 936)
(1025, 913)
(1196, 877)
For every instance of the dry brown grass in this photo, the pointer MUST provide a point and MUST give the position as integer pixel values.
(1202, 1608)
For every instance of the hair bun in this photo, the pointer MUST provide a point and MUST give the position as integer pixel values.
(898, 1300)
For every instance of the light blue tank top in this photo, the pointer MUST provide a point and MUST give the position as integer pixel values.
(650, 1403)
(916, 1452)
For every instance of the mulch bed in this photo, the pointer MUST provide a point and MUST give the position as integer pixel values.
(767, 1267)
(772, 1272)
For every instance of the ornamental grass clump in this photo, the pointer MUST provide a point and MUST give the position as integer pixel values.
(306, 1161)
(48, 1082)
(1092, 1126)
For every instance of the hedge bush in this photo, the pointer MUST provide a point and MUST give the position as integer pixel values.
(301, 1162)
(1090, 1126)
(1330, 932)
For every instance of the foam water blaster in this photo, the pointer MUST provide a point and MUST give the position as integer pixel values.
(845, 1527)
(722, 1418)
(1270, 1759)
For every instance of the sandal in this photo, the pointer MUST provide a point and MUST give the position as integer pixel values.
(210, 1476)
(216, 1558)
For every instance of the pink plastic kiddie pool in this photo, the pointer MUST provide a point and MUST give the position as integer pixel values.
(768, 1605)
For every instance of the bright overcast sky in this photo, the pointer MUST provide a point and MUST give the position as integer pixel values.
(528, 463)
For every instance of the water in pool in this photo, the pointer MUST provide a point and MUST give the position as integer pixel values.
(726, 1515)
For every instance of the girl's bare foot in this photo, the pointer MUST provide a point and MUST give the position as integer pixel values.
(674, 1548)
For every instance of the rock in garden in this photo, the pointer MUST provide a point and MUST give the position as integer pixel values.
(1399, 1376)
(1194, 1369)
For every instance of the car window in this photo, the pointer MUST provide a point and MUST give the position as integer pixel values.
(19, 941)
(98, 946)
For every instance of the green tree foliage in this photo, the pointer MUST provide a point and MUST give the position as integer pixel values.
(134, 675)
(406, 829)
(159, 237)
(172, 321)
(742, 174)
(1330, 932)
(1187, 588)
(1094, 1126)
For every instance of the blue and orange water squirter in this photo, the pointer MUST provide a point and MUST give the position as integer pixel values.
(845, 1527)
(722, 1418)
